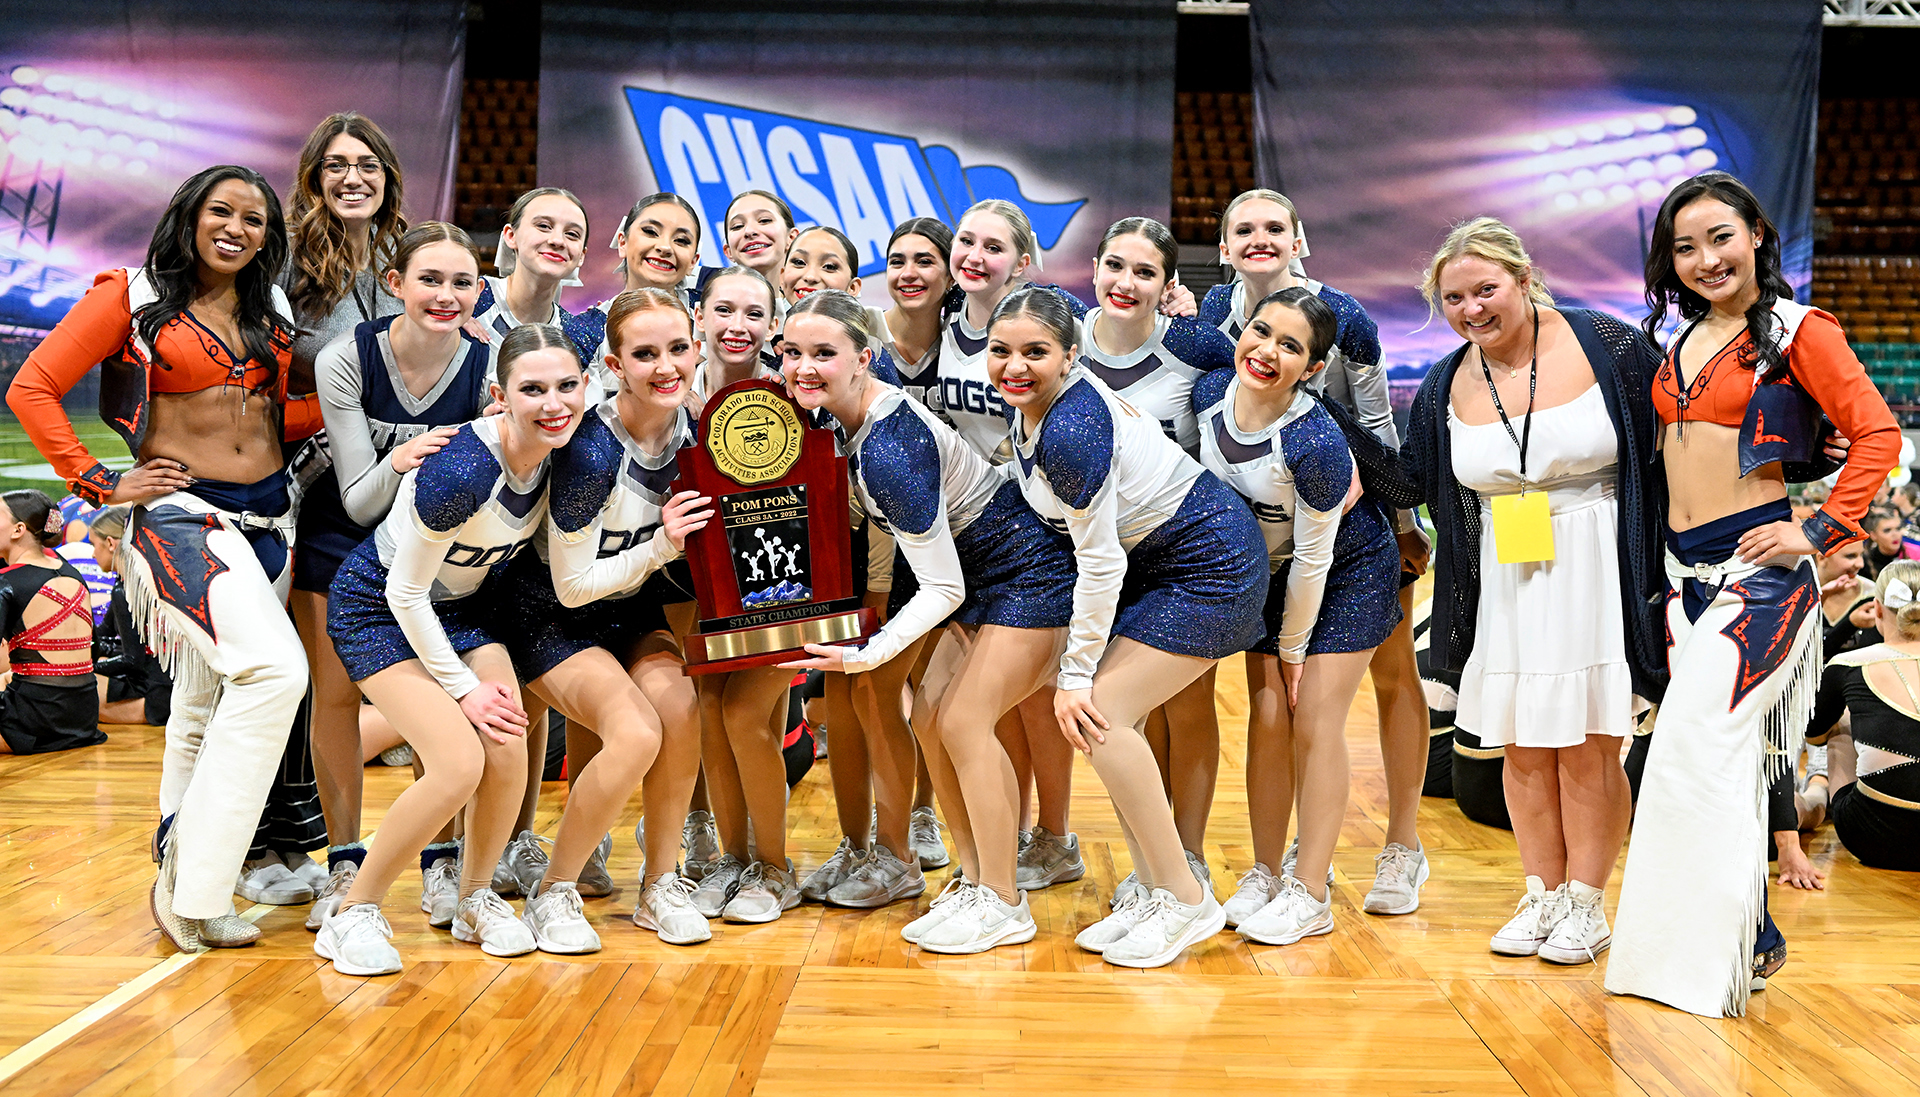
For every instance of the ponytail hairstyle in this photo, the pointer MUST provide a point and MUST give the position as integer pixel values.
(430, 232)
(1043, 305)
(1899, 600)
(32, 508)
(111, 521)
(1665, 289)
(648, 203)
(633, 302)
(1321, 321)
(842, 308)
(1153, 232)
(322, 267)
(526, 339)
(1024, 242)
(172, 266)
(1490, 239)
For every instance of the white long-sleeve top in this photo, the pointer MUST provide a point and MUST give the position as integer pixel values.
(920, 482)
(1294, 473)
(604, 536)
(456, 519)
(1158, 376)
(1354, 375)
(1106, 475)
(369, 411)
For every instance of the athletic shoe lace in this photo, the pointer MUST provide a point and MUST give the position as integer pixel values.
(1580, 923)
(924, 826)
(1156, 914)
(1299, 905)
(845, 859)
(564, 896)
(443, 873)
(489, 909)
(672, 891)
(363, 917)
(339, 880)
(754, 876)
(530, 850)
(955, 891)
(1258, 878)
(1394, 865)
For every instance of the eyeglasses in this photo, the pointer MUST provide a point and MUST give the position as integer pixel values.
(338, 169)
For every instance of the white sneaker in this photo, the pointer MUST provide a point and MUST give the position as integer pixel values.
(358, 940)
(880, 878)
(701, 839)
(765, 893)
(439, 891)
(985, 921)
(666, 907)
(486, 918)
(339, 882)
(401, 755)
(1398, 873)
(1258, 886)
(945, 903)
(1533, 920)
(831, 873)
(270, 881)
(1126, 891)
(1167, 929)
(524, 862)
(1292, 855)
(594, 882)
(923, 834)
(311, 872)
(1581, 935)
(1048, 859)
(1096, 937)
(718, 886)
(1292, 915)
(1201, 872)
(558, 921)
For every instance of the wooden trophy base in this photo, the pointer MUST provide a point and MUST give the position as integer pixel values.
(725, 649)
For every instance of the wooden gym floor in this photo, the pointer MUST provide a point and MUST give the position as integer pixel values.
(827, 1001)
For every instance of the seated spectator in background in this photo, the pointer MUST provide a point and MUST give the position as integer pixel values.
(47, 623)
(1872, 751)
(76, 549)
(133, 687)
(1886, 542)
(1905, 502)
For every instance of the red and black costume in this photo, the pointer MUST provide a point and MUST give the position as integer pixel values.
(52, 703)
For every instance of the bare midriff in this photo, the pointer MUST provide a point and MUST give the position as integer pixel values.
(220, 433)
(1703, 475)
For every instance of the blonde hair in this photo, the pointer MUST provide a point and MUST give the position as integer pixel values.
(1245, 196)
(1907, 616)
(839, 306)
(1490, 239)
(632, 303)
(1024, 242)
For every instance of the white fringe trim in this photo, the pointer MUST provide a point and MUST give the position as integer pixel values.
(175, 651)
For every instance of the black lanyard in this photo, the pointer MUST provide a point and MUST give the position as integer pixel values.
(1525, 436)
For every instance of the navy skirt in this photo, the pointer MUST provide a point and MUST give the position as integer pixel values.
(1196, 586)
(367, 637)
(1361, 606)
(541, 633)
(1019, 571)
(325, 535)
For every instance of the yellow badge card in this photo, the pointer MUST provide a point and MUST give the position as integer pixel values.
(1522, 528)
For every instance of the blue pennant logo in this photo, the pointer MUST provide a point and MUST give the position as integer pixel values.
(861, 182)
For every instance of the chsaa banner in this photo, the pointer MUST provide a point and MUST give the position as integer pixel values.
(863, 115)
(1388, 122)
(105, 108)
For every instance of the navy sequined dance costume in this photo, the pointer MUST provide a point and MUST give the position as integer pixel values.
(606, 567)
(968, 397)
(1354, 375)
(369, 411)
(419, 587)
(1158, 376)
(974, 549)
(1335, 576)
(587, 331)
(1168, 555)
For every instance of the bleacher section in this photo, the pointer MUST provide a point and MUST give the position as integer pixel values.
(499, 135)
(1212, 160)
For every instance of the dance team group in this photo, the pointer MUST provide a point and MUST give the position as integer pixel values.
(365, 470)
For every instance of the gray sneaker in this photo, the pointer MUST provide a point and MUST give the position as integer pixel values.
(1132, 888)
(718, 886)
(1049, 859)
(923, 834)
(666, 907)
(559, 923)
(700, 838)
(526, 858)
(439, 891)
(1127, 890)
(880, 878)
(1292, 855)
(1397, 875)
(594, 883)
(339, 882)
(765, 893)
(833, 873)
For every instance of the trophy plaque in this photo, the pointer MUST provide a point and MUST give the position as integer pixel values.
(772, 569)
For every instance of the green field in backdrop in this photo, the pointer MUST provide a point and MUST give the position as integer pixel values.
(21, 466)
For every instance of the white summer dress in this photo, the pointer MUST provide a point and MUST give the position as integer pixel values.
(1549, 662)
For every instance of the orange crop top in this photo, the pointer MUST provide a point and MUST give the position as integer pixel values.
(1823, 368)
(99, 330)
